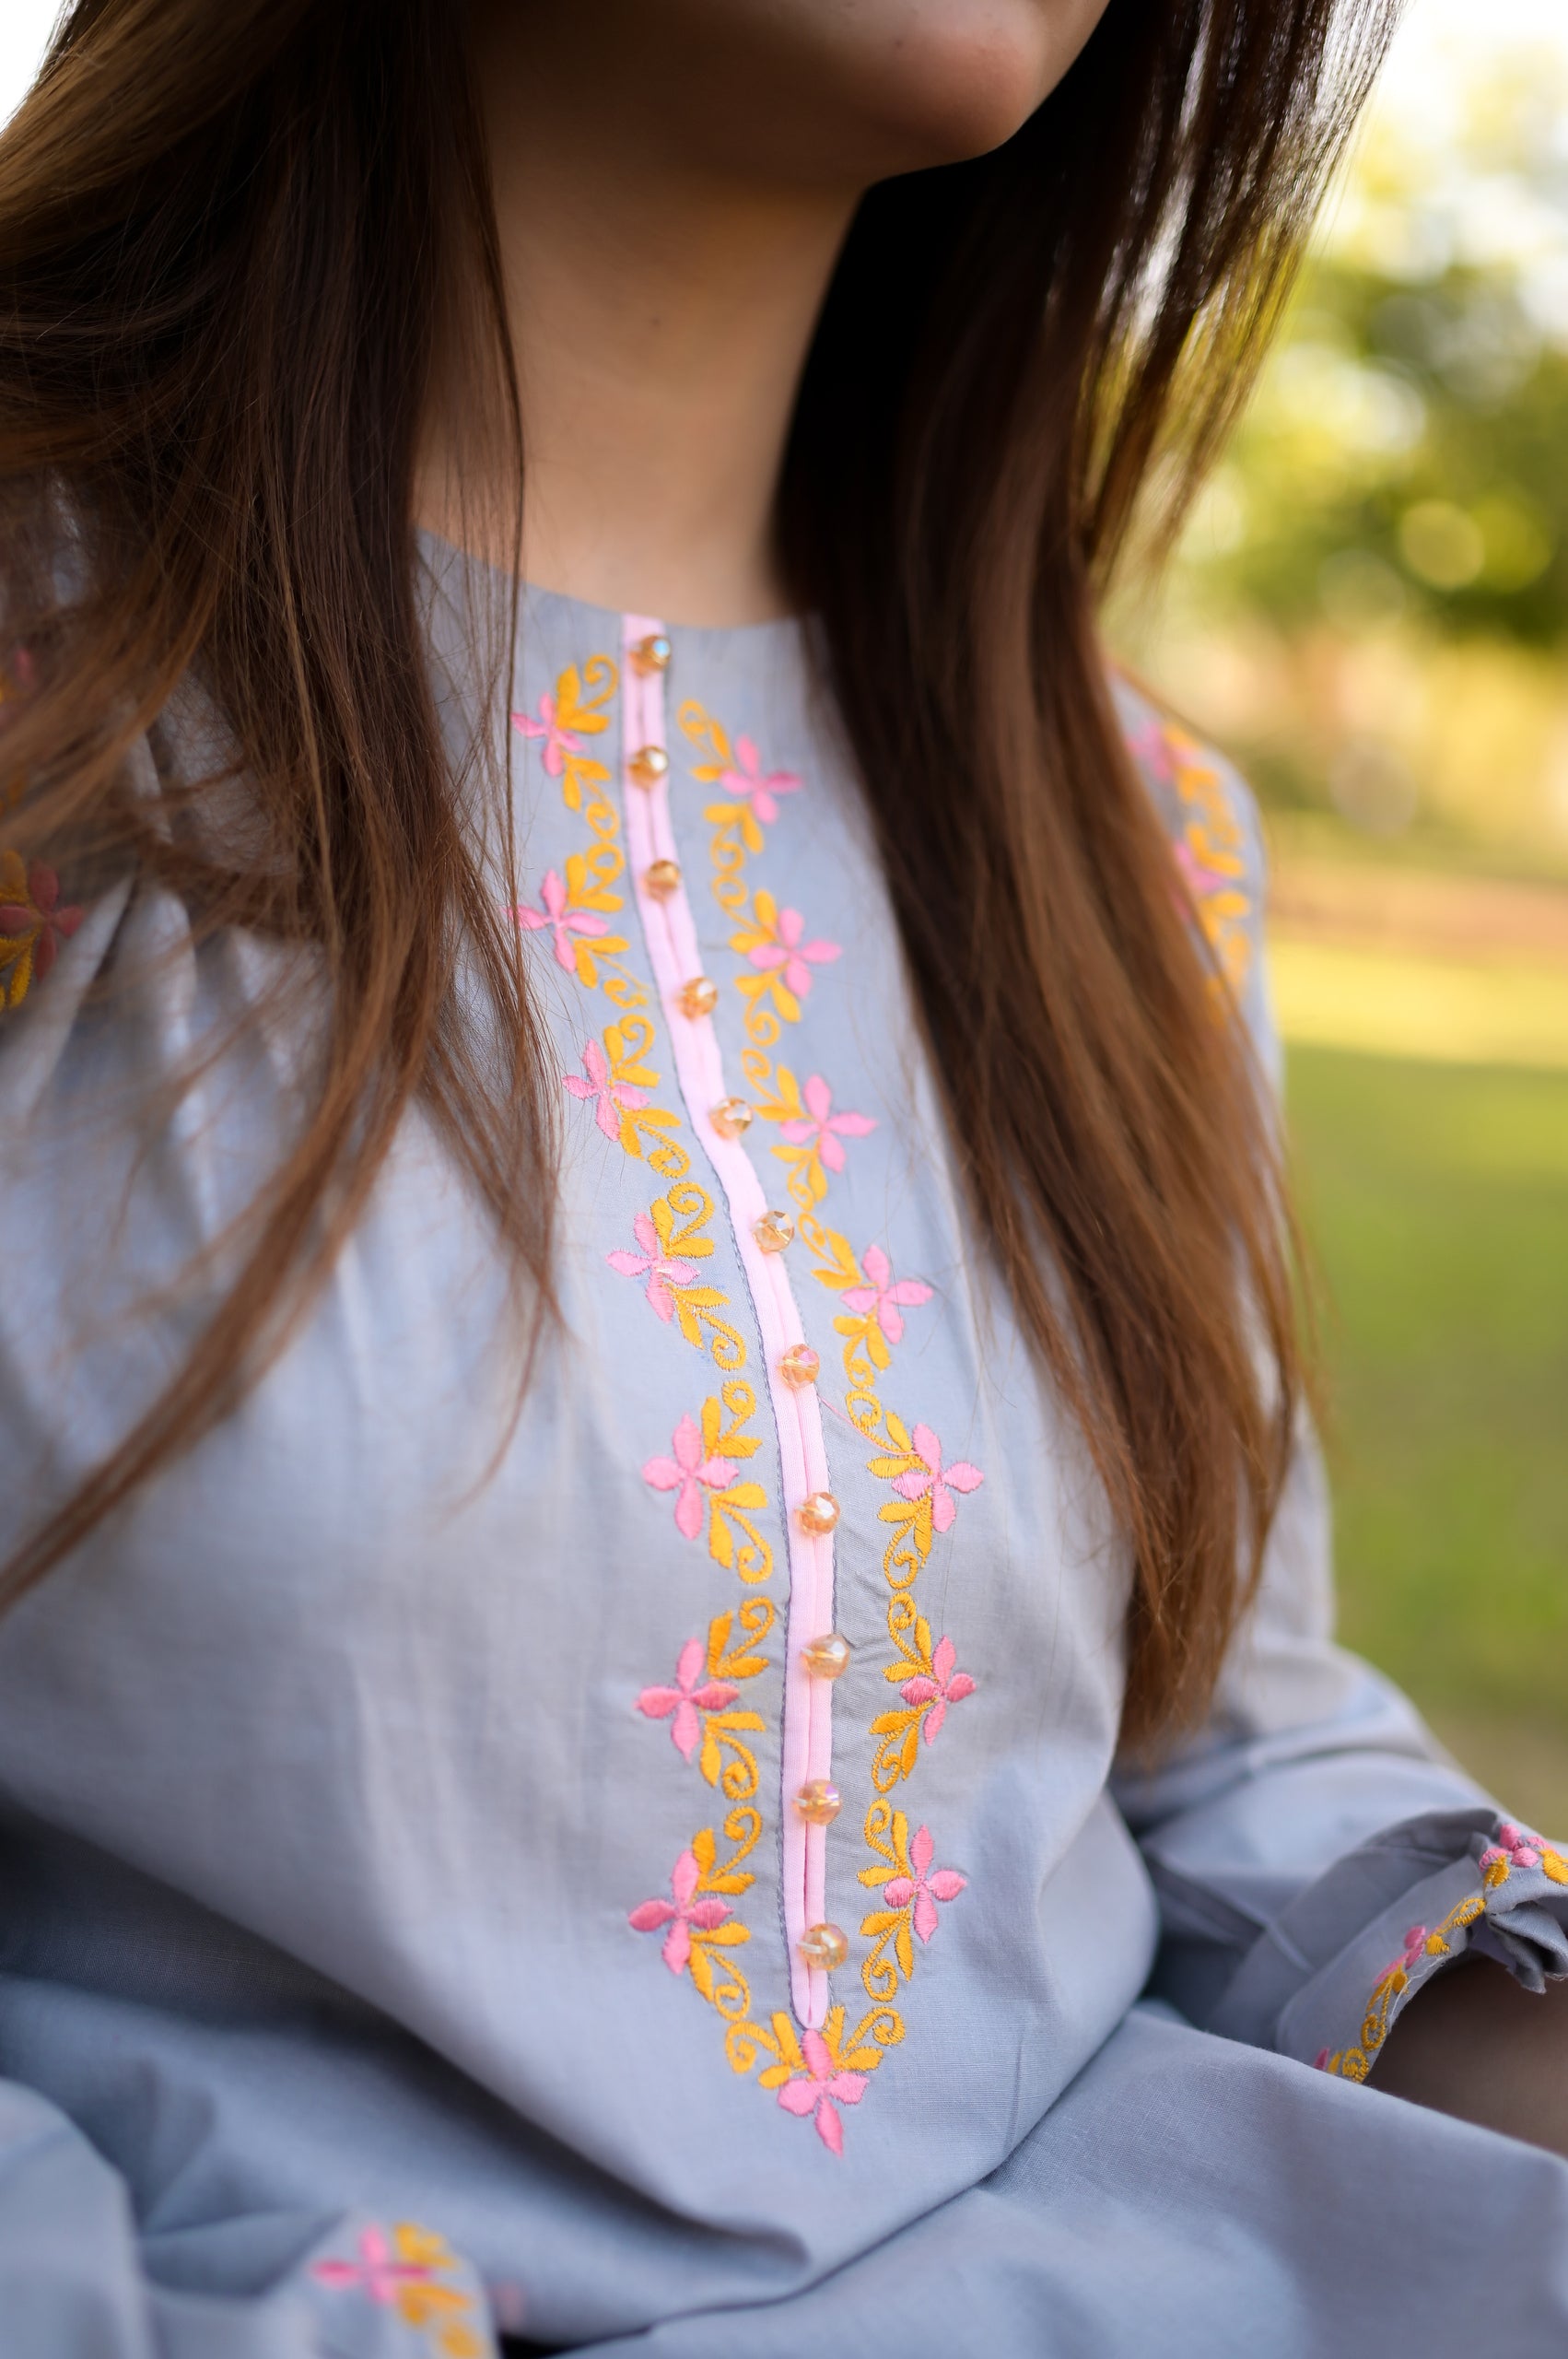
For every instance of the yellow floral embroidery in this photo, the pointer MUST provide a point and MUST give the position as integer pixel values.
(403, 2271)
(588, 890)
(32, 925)
(866, 1350)
(757, 990)
(1497, 1864)
(775, 1096)
(898, 1730)
(626, 1046)
(581, 699)
(733, 1540)
(577, 710)
(723, 1730)
(1355, 2063)
(679, 1220)
(855, 2053)
(714, 1976)
(736, 832)
(1210, 854)
(887, 1833)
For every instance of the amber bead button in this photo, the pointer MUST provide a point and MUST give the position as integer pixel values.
(827, 1658)
(823, 1945)
(818, 1512)
(662, 878)
(648, 765)
(819, 1801)
(731, 1117)
(699, 997)
(799, 1365)
(773, 1232)
(651, 654)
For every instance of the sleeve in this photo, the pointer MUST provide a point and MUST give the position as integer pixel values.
(77, 2275)
(1316, 1856)
(73, 2278)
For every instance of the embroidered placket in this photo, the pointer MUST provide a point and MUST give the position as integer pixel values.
(675, 957)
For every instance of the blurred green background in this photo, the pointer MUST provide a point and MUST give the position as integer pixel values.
(1370, 613)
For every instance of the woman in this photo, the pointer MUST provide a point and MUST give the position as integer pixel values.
(648, 1320)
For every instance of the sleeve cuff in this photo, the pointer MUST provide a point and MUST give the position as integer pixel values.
(1330, 1976)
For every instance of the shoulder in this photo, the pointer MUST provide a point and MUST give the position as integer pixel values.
(1210, 815)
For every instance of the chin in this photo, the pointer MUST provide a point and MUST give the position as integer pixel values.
(953, 78)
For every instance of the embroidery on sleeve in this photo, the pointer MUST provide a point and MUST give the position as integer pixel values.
(402, 2272)
(32, 925)
(1513, 1850)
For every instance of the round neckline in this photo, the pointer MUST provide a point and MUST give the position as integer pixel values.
(536, 600)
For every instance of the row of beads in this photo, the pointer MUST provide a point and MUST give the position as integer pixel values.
(818, 1802)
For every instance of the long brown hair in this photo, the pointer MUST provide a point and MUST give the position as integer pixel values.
(229, 238)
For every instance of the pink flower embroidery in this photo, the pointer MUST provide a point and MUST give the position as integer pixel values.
(376, 2272)
(682, 1704)
(1410, 1957)
(948, 1687)
(554, 914)
(39, 917)
(1196, 876)
(657, 1267)
(1151, 745)
(748, 784)
(796, 957)
(926, 1887)
(882, 1300)
(821, 2090)
(688, 1473)
(681, 1914)
(1513, 1844)
(825, 1130)
(558, 741)
(609, 1095)
(938, 1480)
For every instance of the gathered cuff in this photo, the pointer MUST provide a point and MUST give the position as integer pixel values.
(1327, 1980)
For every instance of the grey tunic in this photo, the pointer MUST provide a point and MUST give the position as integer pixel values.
(425, 1913)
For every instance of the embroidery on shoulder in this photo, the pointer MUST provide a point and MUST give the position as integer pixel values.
(402, 2270)
(33, 924)
(1209, 841)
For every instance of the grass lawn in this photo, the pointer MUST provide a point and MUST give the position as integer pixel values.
(1437, 1199)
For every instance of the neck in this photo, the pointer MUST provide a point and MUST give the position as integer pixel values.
(661, 316)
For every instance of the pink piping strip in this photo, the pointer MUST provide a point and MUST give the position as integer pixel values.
(675, 957)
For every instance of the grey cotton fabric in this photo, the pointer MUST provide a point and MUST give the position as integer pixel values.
(400, 1870)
